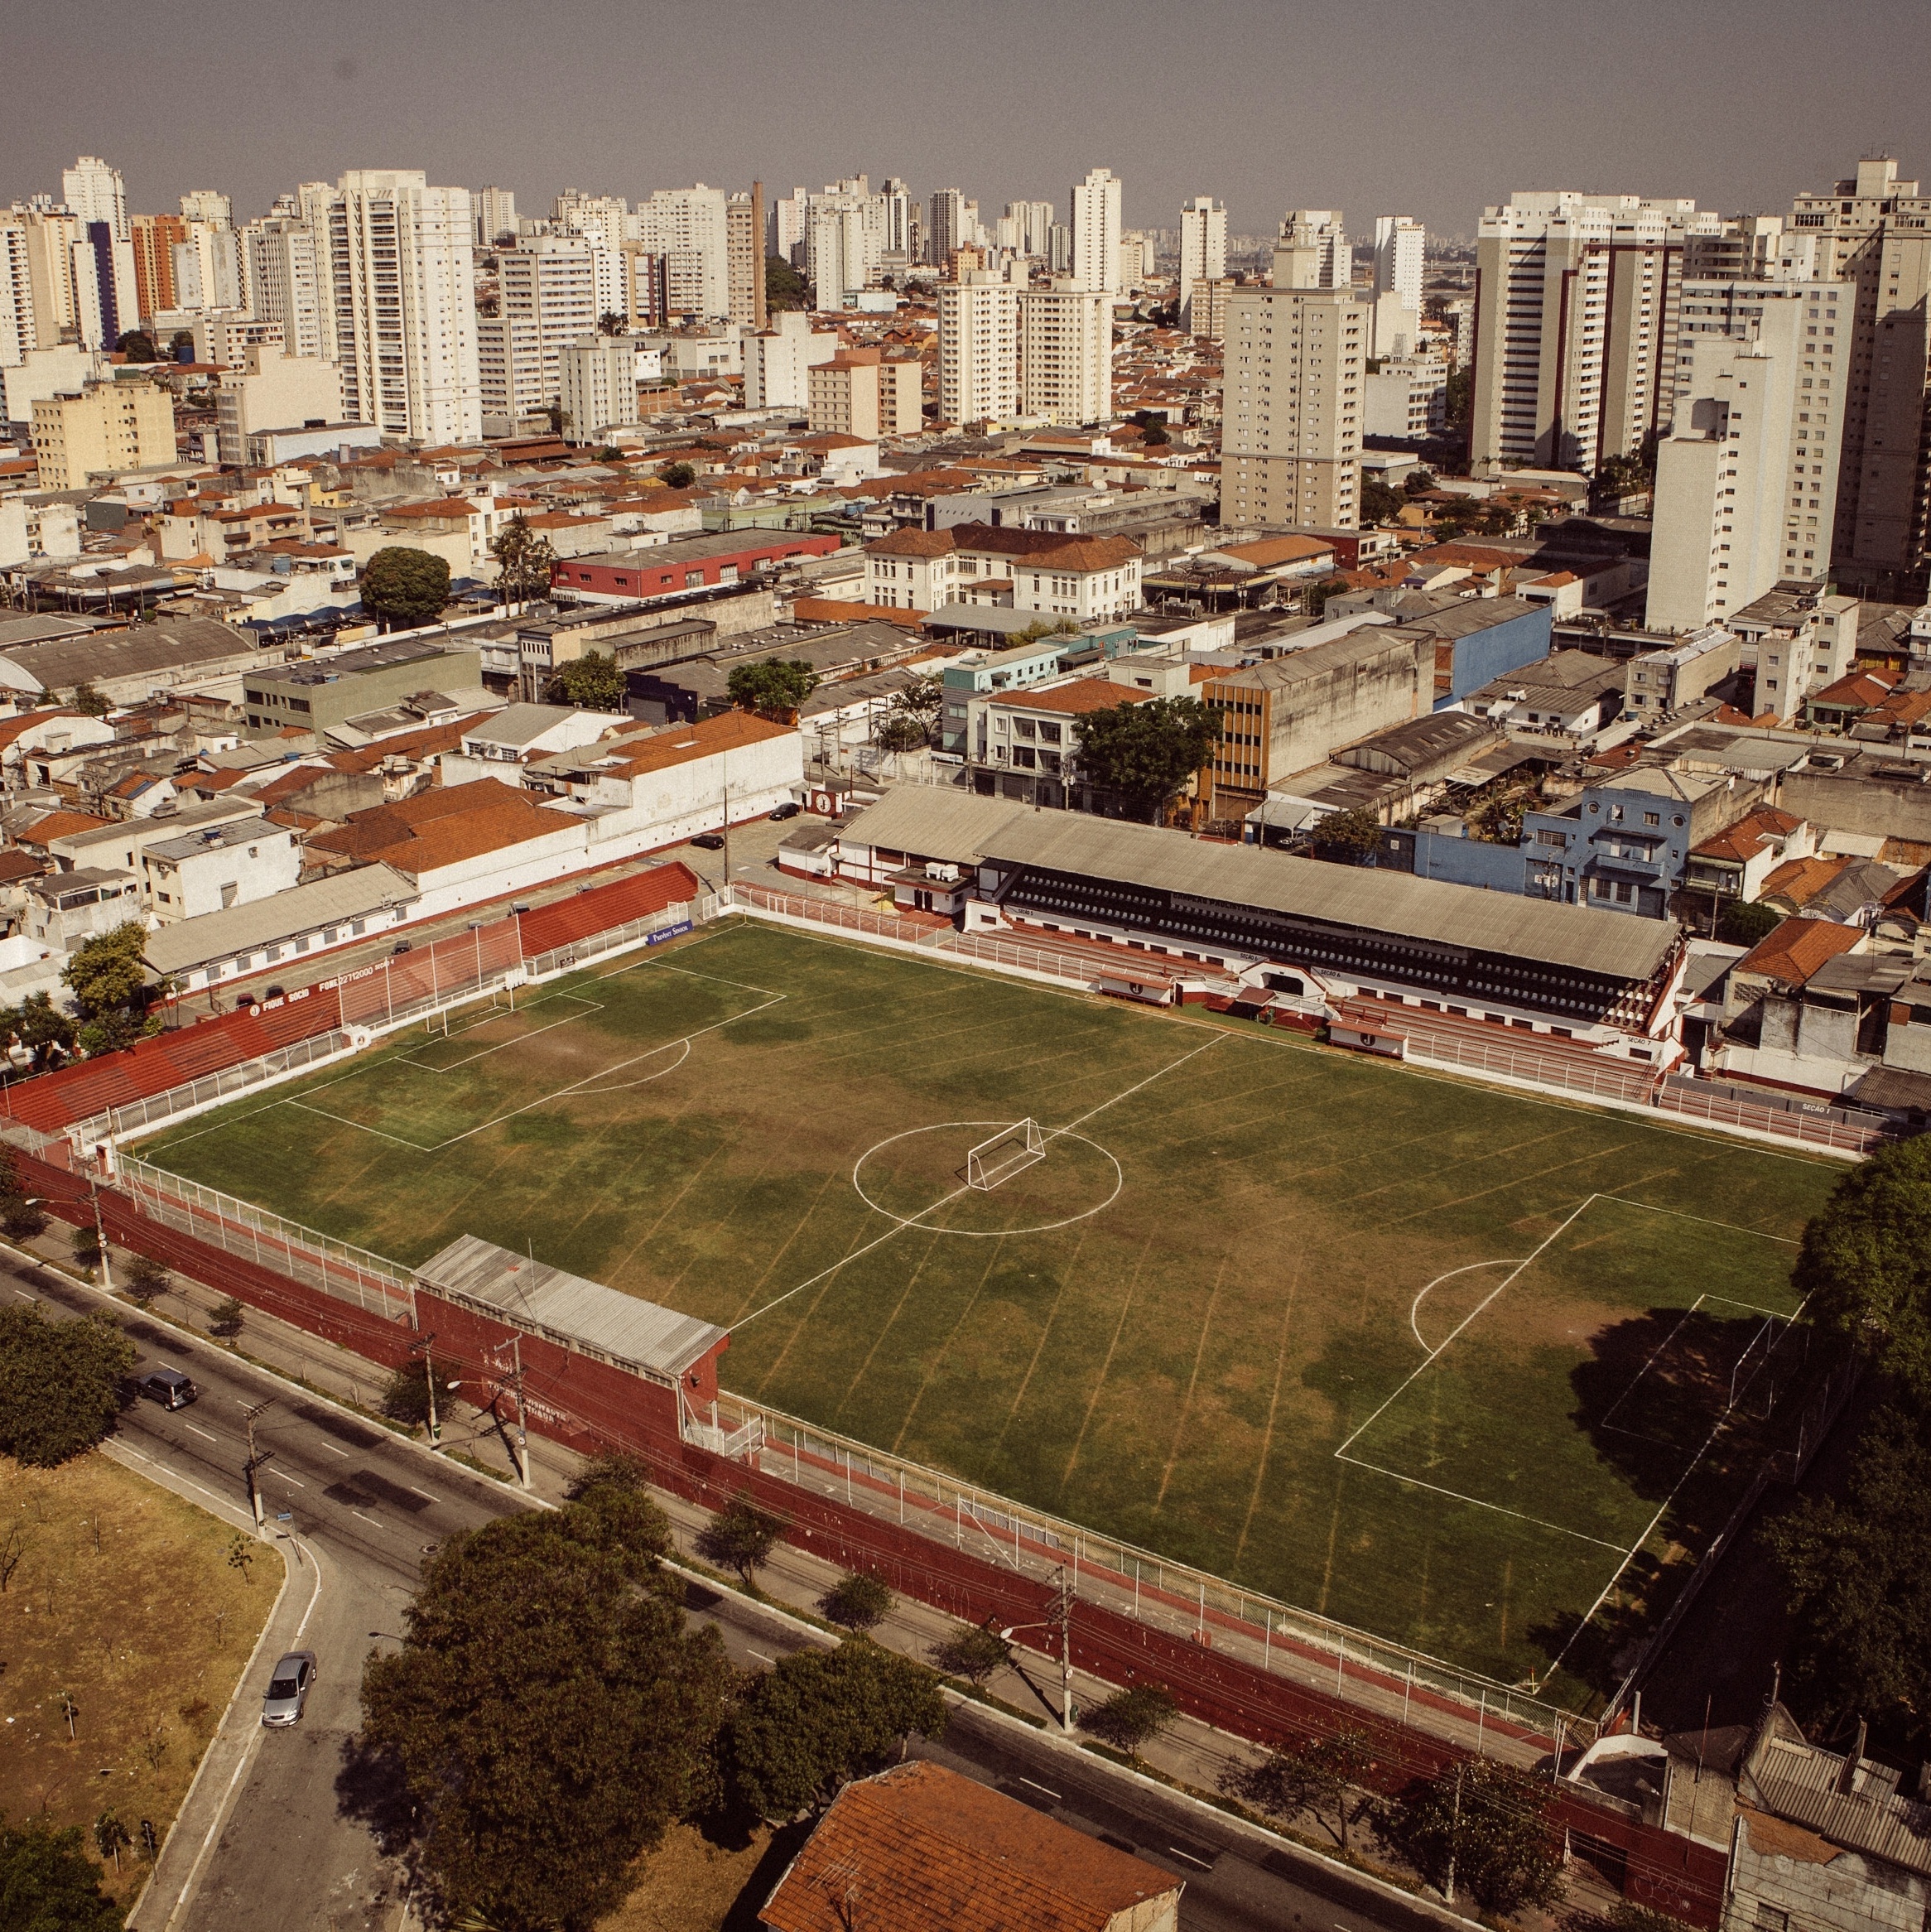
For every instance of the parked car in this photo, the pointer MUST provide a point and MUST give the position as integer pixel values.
(169, 1387)
(288, 1688)
(708, 841)
(274, 992)
(790, 809)
(402, 945)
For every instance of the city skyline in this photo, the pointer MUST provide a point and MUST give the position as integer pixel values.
(820, 96)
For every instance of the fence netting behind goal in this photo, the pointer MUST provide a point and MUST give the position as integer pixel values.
(1006, 1153)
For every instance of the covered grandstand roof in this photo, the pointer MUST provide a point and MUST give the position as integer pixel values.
(1579, 937)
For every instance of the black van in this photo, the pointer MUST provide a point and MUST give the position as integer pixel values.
(169, 1387)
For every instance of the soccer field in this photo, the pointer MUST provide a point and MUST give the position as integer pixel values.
(1425, 1357)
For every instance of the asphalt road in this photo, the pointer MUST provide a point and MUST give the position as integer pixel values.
(298, 1843)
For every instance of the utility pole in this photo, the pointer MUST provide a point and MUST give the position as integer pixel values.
(256, 1460)
(726, 762)
(1066, 1649)
(522, 1421)
(426, 1345)
(1454, 1833)
(100, 1234)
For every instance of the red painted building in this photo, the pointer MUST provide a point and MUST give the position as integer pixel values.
(691, 563)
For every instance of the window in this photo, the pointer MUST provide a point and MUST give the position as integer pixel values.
(1652, 818)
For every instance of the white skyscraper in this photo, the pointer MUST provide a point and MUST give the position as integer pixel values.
(547, 300)
(17, 334)
(279, 264)
(1095, 226)
(776, 361)
(494, 211)
(787, 224)
(1399, 241)
(979, 349)
(1203, 249)
(690, 228)
(394, 263)
(1313, 251)
(208, 205)
(93, 191)
(1746, 480)
(601, 217)
(901, 217)
(1065, 352)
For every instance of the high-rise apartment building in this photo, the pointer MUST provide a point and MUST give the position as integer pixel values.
(1033, 226)
(105, 427)
(1065, 352)
(787, 224)
(1313, 251)
(901, 217)
(17, 333)
(1203, 249)
(979, 349)
(207, 272)
(269, 389)
(278, 264)
(394, 263)
(600, 218)
(689, 227)
(104, 287)
(744, 246)
(208, 205)
(1575, 300)
(547, 299)
(1741, 247)
(1400, 243)
(493, 211)
(52, 236)
(1876, 230)
(1095, 236)
(154, 238)
(1746, 480)
(861, 392)
(1292, 406)
(944, 226)
(92, 192)
(777, 360)
(597, 380)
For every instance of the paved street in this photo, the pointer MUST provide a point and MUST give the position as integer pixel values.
(280, 1830)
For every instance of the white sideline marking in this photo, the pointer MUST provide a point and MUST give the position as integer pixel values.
(291, 1482)
(759, 1655)
(333, 1450)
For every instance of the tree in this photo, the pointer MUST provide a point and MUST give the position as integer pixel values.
(857, 1602)
(677, 476)
(227, 1317)
(111, 1837)
(1857, 1583)
(610, 323)
(1352, 837)
(406, 1397)
(44, 1029)
(1745, 922)
(1458, 399)
(63, 1383)
(49, 1884)
(773, 684)
(591, 682)
(818, 1718)
(740, 1537)
(182, 339)
(900, 731)
(1864, 1266)
(549, 1711)
(784, 287)
(20, 1219)
(86, 1243)
(1418, 481)
(240, 1554)
(1320, 1779)
(1131, 1718)
(89, 702)
(1314, 596)
(1379, 503)
(560, 419)
(973, 1651)
(921, 696)
(1147, 753)
(147, 1278)
(1483, 1825)
(525, 561)
(404, 587)
(137, 345)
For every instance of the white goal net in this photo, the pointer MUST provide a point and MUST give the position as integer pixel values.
(1005, 1155)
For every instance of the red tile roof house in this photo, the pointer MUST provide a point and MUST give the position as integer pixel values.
(1051, 573)
(919, 1848)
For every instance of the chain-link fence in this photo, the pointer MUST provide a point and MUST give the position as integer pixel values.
(864, 920)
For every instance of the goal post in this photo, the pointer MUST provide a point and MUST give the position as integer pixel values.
(1005, 1155)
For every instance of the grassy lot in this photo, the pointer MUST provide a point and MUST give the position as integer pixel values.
(145, 1626)
(1200, 1322)
(687, 1883)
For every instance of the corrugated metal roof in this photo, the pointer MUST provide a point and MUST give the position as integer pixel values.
(1369, 899)
(541, 1300)
(189, 943)
(934, 822)
(1855, 1803)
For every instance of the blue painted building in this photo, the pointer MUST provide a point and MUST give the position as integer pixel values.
(1478, 639)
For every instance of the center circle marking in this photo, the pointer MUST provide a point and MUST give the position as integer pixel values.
(918, 1220)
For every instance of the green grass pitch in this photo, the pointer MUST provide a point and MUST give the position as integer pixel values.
(1420, 1355)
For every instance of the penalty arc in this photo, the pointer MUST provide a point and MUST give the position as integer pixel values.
(1006, 1153)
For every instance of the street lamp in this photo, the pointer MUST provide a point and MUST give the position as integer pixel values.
(1062, 1621)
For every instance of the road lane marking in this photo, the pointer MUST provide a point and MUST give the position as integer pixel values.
(1204, 1865)
(202, 1433)
(291, 1482)
(370, 1520)
(24, 1296)
(423, 1492)
(333, 1450)
(1038, 1786)
(759, 1655)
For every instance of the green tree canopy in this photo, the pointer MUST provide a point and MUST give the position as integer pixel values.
(1132, 1718)
(181, 338)
(610, 323)
(1352, 837)
(1857, 1578)
(973, 1651)
(1379, 503)
(1147, 753)
(405, 587)
(774, 684)
(137, 345)
(41, 1026)
(89, 702)
(49, 1884)
(549, 1711)
(1488, 1824)
(857, 1601)
(677, 476)
(1745, 922)
(62, 1381)
(784, 287)
(525, 559)
(821, 1718)
(1864, 1267)
(740, 1537)
(591, 682)
(108, 979)
(900, 731)
(1320, 1779)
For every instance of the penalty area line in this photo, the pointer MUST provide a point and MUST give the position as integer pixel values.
(1476, 1502)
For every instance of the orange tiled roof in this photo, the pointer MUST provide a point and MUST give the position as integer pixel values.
(1078, 697)
(59, 825)
(1797, 949)
(1799, 881)
(1746, 838)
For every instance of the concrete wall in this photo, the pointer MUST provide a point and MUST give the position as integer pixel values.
(1890, 808)
(1494, 653)
(1852, 1893)
(1469, 861)
(1360, 684)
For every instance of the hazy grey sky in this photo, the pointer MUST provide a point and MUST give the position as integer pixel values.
(1380, 107)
